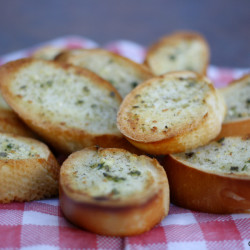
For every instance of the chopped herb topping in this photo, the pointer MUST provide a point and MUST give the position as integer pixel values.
(136, 96)
(248, 161)
(3, 154)
(234, 168)
(49, 83)
(189, 155)
(166, 126)
(244, 168)
(79, 102)
(112, 94)
(134, 84)
(248, 101)
(221, 140)
(114, 191)
(85, 89)
(23, 87)
(190, 84)
(113, 178)
(10, 146)
(93, 106)
(100, 166)
(135, 107)
(172, 57)
(135, 173)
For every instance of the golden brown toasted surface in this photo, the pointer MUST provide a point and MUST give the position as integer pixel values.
(180, 105)
(237, 97)
(213, 178)
(179, 51)
(47, 52)
(121, 72)
(28, 170)
(113, 192)
(69, 106)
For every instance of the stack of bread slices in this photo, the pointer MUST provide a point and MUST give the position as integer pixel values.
(109, 115)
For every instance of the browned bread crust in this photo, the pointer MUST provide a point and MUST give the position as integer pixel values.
(122, 73)
(119, 212)
(28, 170)
(172, 113)
(47, 119)
(206, 190)
(179, 51)
(237, 121)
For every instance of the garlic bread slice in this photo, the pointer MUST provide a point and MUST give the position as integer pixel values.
(121, 72)
(68, 106)
(172, 113)
(113, 192)
(28, 170)
(179, 51)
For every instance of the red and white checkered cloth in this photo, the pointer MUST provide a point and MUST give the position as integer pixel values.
(40, 224)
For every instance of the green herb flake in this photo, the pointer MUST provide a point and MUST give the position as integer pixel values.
(112, 94)
(190, 84)
(135, 173)
(23, 87)
(3, 154)
(113, 178)
(114, 191)
(93, 105)
(248, 161)
(244, 168)
(189, 155)
(86, 89)
(135, 107)
(10, 146)
(79, 102)
(248, 101)
(49, 83)
(100, 166)
(134, 84)
(221, 140)
(234, 168)
(172, 57)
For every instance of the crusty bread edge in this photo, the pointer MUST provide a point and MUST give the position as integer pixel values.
(205, 191)
(176, 36)
(114, 218)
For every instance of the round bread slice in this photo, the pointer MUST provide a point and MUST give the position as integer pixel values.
(172, 113)
(237, 98)
(113, 192)
(214, 178)
(179, 51)
(121, 72)
(28, 170)
(68, 106)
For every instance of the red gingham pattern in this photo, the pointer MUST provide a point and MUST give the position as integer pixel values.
(41, 225)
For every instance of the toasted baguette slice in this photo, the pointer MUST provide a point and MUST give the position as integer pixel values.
(113, 192)
(28, 170)
(47, 52)
(214, 178)
(237, 97)
(172, 113)
(10, 123)
(68, 106)
(179, 51)
(121, 72)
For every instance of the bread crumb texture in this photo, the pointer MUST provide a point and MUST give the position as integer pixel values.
(164, 107)
(237, 97)
(65, 97)
(123, 74)
(11, 148)
(111, 176)
(230, 155)
(179, 54)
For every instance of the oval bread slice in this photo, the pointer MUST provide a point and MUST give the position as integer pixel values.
(113, 192)
(70, 107)
(121, 72)
(28, 170)
(214, 178)
(237, 98)
(172, 113)
(179, 51)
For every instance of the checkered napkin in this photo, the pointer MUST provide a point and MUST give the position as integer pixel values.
(40, 224)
